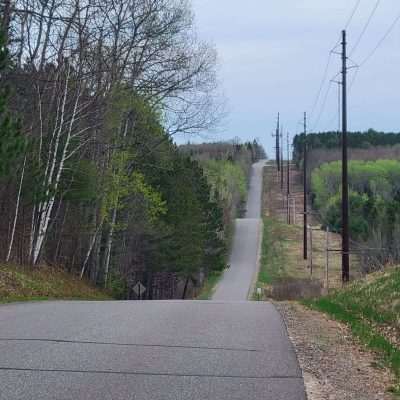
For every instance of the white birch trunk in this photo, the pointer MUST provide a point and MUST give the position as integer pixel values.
(109, 246)
(32, 232)
(90, 249)
(46, 208)
(10, 246)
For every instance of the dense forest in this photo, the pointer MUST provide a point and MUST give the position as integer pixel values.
(374, 196)
(227, 167)
(374, 183)
(92, 94)
(332, 140)
(364, 146)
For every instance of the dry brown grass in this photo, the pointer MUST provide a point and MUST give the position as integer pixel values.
(274, 205)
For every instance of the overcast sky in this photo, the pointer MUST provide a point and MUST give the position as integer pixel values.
(272, 56)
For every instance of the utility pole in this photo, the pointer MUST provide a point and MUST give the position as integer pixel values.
(288, 178)
(345, 187)
(282, 172)
(327, 262)
(278, 163)
(311, 252)
(305, 248)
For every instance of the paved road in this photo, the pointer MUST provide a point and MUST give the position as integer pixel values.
(160, 350)
(237, 280)
(145, 351)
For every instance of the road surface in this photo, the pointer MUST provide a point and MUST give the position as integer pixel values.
(236, 283)
(154, 350)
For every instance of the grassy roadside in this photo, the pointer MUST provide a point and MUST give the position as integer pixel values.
(281, 276)
(273, 252)
(209, 286)
(45, 283)
(371, 309)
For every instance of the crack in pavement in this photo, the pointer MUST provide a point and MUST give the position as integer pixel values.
(64, 341)
(148, 373)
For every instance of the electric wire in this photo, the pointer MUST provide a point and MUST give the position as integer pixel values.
(358, 41)
(380, 42)
(325, 74)
(353, 79)
(321, 86)
(360, 37)
(374, 50)
(322, 109)
(352, 14)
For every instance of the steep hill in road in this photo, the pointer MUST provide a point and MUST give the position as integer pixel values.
(236, 282)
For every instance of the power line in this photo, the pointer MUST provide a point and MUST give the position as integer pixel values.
(325, 74)
(353, 79)
(384, 37)
(353, 13)
(322, 107)
(365, 27)
(324, 102)
(374, 50)
(322, 84)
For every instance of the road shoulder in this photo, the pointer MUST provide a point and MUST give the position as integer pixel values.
(334, 365)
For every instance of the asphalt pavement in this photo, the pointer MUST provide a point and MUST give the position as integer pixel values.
(236, 283)
(225, 349)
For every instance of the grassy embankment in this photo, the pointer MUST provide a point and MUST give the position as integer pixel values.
(284, 274)
(371, 308)
(274, 263)
(281, 275)
(44, 283)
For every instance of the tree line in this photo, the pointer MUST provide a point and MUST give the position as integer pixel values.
(227, 166)
(92, 94)
(332, 140)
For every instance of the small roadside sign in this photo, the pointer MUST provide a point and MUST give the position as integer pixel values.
(139, 289)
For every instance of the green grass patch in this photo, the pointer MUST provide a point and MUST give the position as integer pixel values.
(19, 283)
(274, 259)
(273, 254)
(368, 308)
(209, 286)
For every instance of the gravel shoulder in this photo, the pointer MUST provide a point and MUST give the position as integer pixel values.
(335, 366)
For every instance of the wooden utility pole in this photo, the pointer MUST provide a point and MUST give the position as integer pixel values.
(311, 252)
(305, 255)
(288, 179)
(281, 156)
(327, 262)
(294, 211)
(345, 187)
(278, 163)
